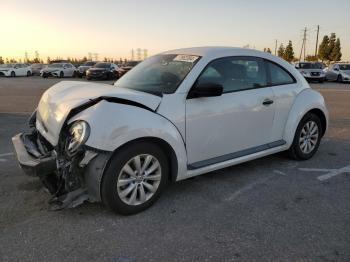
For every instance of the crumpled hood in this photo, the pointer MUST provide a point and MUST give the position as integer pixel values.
(57, 102)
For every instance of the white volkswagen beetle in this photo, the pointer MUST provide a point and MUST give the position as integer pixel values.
(176, 115)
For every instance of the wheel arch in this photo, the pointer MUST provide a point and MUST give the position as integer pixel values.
(165, 147)
(308, 101)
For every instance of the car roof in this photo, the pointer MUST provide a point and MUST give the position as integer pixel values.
(214, 51)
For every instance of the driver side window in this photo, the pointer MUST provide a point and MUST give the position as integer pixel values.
(235, 73)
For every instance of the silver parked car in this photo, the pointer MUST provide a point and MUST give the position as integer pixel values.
(338, 72)
(311, 71)
(84, 67)
(36, 68)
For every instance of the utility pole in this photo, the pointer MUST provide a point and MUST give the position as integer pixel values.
(303, 46)
(275, 46)
(318, 31)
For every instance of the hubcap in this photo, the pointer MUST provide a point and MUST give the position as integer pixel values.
(139, 179)
(308, 137)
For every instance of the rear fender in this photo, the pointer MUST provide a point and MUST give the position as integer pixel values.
(305, 101)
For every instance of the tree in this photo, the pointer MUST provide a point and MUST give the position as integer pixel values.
(288, 54)
(268, 50)
(48, 60)
(280, 51)
(311, 58)
(336, 54)
(323, 50)
(1, 60)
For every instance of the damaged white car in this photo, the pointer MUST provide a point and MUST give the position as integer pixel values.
(176, 115)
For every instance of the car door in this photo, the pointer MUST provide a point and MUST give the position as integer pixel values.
(68, 70)
(236, 123)
(18, 70)
(285, 89)
(333, 72)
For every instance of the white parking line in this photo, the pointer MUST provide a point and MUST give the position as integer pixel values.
(334, 173)
(6, 154)
(279, 172)
(331, 172)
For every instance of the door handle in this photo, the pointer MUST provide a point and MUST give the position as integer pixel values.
(267, 102)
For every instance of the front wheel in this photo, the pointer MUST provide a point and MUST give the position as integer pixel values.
(340, 79)
(61, 74)
(307, 137)
(135, 178)
(13, 74)
(29, 73)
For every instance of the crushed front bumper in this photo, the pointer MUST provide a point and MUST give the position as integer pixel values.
(31, 165)
(70, 181)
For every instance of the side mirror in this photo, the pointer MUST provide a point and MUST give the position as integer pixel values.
(205, 90)
(336, 69)
(297, 67)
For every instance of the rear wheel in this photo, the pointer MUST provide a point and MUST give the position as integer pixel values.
(307, 137)
(29, 73)
(135, 178)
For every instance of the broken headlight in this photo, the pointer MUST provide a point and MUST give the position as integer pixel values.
(79, 132)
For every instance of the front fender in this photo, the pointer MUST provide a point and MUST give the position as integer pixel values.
(113, 125)
(305, 101)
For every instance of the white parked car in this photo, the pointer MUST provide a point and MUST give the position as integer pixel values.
(312, 71)
(59, 70)
(338, 72)
(176, 115)
(16, 69)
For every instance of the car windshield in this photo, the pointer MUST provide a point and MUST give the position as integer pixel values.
(310, 66)
(344, 67)
(131, 63)
(160, 74)
(56, 65)
(89, 63)
(102, 65)
(7, 65)
(37, 66)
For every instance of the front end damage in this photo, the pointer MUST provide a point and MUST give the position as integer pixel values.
(70, 178)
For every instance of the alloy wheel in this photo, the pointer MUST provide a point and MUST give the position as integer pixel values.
(308, 137)
(139, 179)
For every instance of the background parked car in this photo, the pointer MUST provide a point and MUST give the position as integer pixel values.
(127, 67)
(338, 72)
(103, 70)
(15, 69)
(59, 70)
(84, 67)
(311, 71)
(36, 68)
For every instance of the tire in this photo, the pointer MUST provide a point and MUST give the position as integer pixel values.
(74, 74)
(88, 78)
(305, 145)
(13, 74)
(61, 75)
(139, 196)
(340, 78)
(29, 73)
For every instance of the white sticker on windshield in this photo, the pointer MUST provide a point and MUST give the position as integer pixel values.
(186, 58)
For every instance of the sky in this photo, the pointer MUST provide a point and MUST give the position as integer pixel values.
(111, 28)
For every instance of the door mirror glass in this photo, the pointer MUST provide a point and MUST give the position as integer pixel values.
(206, 90)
